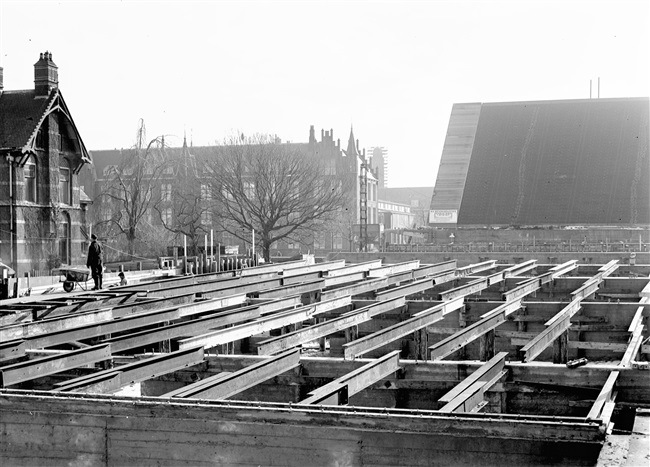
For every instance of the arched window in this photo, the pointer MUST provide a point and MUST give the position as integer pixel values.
(29, 172)
(63, 234)
(65, 187)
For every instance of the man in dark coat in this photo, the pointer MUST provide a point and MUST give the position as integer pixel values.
(95, 262)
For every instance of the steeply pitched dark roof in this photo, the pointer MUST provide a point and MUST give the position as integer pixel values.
(559, 163)
(20, 115)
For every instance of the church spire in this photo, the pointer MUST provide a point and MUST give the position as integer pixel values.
(352, 147)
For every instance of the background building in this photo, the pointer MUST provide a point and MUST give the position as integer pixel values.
(545, 163)
(346, 165)
(378, 157)
(42, 207)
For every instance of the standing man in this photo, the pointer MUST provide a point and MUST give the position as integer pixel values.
(95, 262)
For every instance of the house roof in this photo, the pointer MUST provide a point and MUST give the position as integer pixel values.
(21, 114)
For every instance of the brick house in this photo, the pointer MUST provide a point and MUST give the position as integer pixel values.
(42, 208)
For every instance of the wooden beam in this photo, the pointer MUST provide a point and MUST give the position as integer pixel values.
(37, 368)
(484, 373)
(605, 395)
(111, 380)
(357, 380)
(326, 328)
(384, 336)
(463, 337)
(226, 386)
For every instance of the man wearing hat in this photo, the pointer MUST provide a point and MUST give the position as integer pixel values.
(95, 262)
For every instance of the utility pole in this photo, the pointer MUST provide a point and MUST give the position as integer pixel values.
(363, 205)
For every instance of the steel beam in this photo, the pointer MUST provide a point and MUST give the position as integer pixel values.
(308, 334)
(556, 326)
(466, 335)
(485, 373)
(357, 380)
(37, 368)
(476, 267)
(224, 386)
(12, 349)
(182, 329)
(284, 290)
(391, 269)
(405, 290)
(380, 338)
(467, 289)
(318, 267)
(241, 331)
(606, 395)
(108, 381)
(434, 269)
(355, 289)
(355, 268)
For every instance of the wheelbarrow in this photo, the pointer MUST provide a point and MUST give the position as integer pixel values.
(73, 276)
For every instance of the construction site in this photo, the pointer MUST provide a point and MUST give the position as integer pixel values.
(521, 340)
(335, 363)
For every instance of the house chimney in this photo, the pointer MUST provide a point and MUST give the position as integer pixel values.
(312, 135)
(46, 75)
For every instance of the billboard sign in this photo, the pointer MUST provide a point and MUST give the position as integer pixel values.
(443, 216)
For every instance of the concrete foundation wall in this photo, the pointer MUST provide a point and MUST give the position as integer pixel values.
(466, 258)
(80, 430)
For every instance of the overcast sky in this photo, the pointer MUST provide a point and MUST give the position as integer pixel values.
(390, 69)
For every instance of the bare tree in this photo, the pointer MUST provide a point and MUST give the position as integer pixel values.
(132, 186)
(187, 208)
(259, 184)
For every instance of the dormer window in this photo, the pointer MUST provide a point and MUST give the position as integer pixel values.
(65, 187)
(29, 172)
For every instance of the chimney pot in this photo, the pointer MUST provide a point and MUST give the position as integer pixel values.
(46, 75)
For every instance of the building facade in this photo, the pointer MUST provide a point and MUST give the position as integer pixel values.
(42, 208)
(170, 185)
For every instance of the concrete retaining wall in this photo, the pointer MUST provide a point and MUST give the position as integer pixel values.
(110, 431)
(466, 258)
